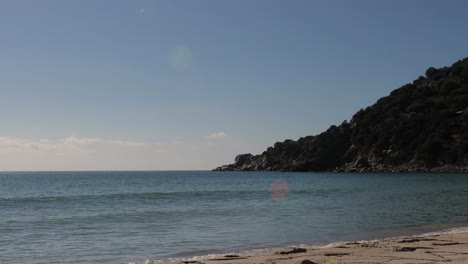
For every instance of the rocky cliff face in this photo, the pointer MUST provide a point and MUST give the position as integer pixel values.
(421, 126)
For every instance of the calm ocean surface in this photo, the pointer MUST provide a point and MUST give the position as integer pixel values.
(121, 217)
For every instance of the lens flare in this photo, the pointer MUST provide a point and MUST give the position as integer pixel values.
(279, 190)
(180, 58)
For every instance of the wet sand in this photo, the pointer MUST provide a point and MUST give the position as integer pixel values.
(444, 248)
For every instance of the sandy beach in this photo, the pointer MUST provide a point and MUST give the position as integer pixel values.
(429, 249)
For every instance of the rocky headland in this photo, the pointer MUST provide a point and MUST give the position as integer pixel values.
(420, 127)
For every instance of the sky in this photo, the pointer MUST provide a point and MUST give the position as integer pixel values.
(188, 85)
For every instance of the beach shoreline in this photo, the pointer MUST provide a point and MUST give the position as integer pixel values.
(450, 245)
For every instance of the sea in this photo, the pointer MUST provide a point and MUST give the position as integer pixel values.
(136, 216)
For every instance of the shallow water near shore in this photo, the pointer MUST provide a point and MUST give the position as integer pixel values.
(122, 217)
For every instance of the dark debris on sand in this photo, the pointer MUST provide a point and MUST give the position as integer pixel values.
(293, 251)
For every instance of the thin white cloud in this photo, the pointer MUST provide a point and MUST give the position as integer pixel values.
(71, 142)
(81, 141)
(126, 143)
(218, 135)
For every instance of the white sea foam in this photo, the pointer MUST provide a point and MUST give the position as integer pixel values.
(456, 230)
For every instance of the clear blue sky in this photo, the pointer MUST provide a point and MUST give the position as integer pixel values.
(189, 84)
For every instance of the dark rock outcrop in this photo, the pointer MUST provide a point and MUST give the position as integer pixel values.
(421, 126)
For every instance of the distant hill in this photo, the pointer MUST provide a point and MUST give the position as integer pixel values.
(421, 126)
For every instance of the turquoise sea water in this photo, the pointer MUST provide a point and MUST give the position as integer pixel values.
(121, 217)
